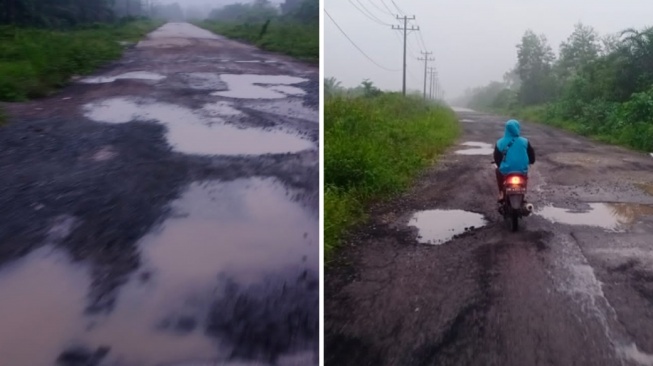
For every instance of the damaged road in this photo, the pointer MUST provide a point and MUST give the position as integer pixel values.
(437, 278)
(164, 211)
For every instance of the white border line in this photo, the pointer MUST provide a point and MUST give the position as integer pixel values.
(321, 174)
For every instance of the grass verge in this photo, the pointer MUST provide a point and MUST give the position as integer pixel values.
(298, 40)
(34, 62)
(373, 149)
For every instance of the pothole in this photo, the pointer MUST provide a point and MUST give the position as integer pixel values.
(250, 86)
(609, 216)
(248, 230)
(477, 148)
(42, 307)
(139, 75)
(440, 226)
(195, 133)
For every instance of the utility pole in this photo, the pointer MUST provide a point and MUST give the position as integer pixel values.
(426, 59)
(405, 29)
(430, 72)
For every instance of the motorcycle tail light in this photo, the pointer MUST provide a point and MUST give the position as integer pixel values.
(516, 180)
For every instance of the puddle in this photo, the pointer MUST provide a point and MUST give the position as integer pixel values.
(440, 226)
(479, 148)
(249, 86)
(43, 301)
(467, 120)
(245, 229)
(140, 75)
(194, 133)
(286, 107)
(609, 216)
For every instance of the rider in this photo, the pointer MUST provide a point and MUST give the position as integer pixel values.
(512, 154)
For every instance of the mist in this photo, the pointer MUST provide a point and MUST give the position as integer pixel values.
(473, 41)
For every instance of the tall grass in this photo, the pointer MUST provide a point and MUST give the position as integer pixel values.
(33, 62)
(373, 149)
(291, 38)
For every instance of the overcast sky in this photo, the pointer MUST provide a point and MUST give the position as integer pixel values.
(473, 40)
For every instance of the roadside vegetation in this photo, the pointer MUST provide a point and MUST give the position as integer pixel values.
(43, 43)
(292, 29)
(597, 86)
(375, 143)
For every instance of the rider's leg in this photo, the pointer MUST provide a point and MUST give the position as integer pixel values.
(499, 183)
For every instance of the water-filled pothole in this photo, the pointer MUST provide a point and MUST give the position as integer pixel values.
(246, 230)
(250, 86)
(609, 216)
(138, 75)
(477, 148)
(440, 226)
(199, 132)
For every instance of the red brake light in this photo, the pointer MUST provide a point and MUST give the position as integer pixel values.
(515, 180)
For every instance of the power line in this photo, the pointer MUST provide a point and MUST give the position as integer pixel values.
(399, 10)
(370, 17)
(378, 7)
(354, 44)
(386, 6)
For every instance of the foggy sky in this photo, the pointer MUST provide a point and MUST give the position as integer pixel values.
(473, 41)
(216, 3)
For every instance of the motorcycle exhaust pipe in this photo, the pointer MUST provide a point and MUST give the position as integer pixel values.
(530, 207)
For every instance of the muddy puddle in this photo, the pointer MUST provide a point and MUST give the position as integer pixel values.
(476, 148)
(609, 216)
(41, 312)
(246, 230)
(250, 86)
(440, 226)
(202, 131)
(136, 75)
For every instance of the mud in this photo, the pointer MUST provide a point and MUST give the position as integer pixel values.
(134, 203)
(553, 293)
(440, 226)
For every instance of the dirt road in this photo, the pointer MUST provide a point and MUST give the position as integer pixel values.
(164, 211)
(573, 287)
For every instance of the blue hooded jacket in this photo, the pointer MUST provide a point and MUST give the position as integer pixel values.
(513, 153)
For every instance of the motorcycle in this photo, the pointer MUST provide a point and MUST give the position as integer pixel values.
(514, 205)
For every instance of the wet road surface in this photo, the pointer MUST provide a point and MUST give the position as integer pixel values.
(163, 211)
(437, 278)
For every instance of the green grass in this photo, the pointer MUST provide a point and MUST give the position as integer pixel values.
(301, 41)
(373, 149)
(34, 62)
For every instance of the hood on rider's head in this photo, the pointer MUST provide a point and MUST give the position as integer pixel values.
(512, 128)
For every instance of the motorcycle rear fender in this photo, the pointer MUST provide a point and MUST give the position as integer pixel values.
(516, 201)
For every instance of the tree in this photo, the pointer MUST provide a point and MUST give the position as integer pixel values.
(581, 48)
(534, 67)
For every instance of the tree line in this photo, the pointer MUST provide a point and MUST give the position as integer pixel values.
(600, 85)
